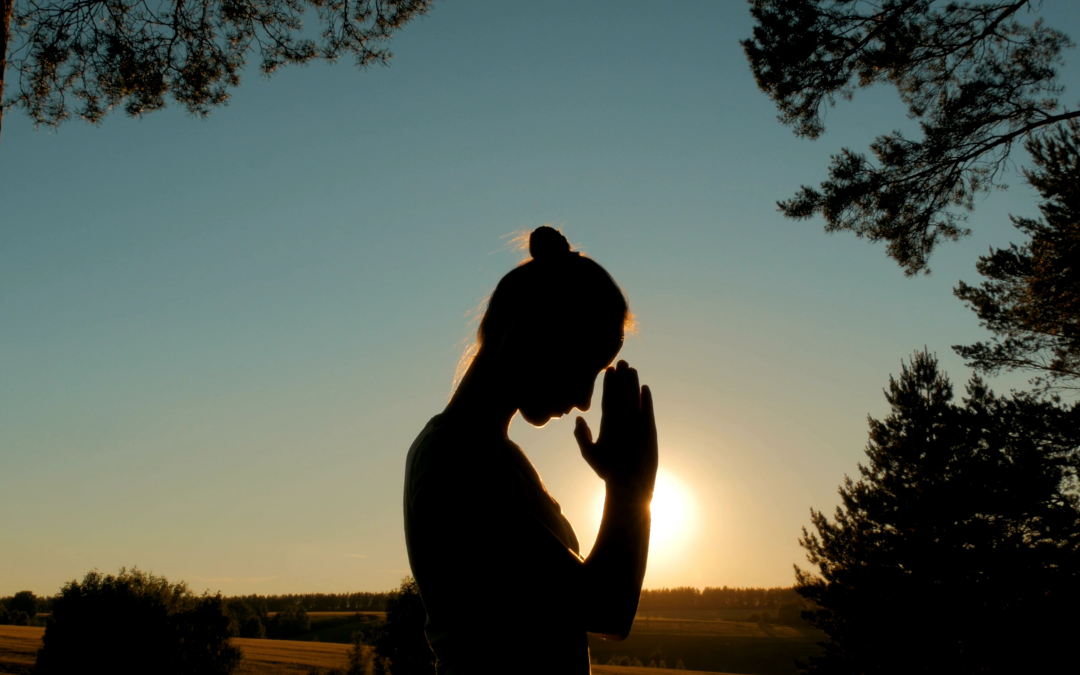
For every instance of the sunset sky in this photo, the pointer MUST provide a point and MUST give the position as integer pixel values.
(218, 337)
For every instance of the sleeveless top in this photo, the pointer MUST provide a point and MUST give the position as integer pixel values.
(497, 563)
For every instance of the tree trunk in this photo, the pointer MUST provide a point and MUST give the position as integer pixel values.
(6, 7)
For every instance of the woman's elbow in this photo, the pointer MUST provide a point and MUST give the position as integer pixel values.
(613, 637)
(615, 628)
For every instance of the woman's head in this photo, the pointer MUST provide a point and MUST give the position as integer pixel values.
(552, 324)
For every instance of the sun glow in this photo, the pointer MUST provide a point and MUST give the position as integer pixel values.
(671, 512)
(674, 515)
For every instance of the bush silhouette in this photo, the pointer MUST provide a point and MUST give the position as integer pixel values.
(136, 622)
(23, 601)
(290, 622)
(363, 659)
(244, 621)
(252, 627)
(403, 642)
(790, 613)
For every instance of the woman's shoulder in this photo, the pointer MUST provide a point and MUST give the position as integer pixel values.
(446, 452)
(425, 449)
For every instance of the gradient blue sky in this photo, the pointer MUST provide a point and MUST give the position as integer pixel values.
(218, 337)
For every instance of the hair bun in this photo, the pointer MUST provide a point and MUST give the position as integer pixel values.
(546, 243)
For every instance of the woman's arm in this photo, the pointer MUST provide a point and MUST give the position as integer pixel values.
(625, 456)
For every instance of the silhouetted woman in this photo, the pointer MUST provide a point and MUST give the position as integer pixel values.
(497, 563)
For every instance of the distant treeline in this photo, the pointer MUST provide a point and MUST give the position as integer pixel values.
(683, 597)
(687, 597)
(318, 602)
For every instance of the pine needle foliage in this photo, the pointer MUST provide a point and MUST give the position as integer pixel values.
(1030, 300)
(978, 76)
(957, 542)
(85, 57)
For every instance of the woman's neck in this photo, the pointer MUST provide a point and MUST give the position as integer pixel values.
(482, 398)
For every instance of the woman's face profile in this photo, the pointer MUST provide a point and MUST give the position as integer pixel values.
(557, 380)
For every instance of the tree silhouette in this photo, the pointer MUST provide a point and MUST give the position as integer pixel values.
(961, 532)
(84, 57)
(977, 79)
(1031, 299)
(244, 621)
(24, 601)
(136, 623)
(290, 622)
(403, 642)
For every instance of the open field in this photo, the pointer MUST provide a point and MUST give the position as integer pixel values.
(713, 645)
(702, 614)
(287, 657)
(18, 648)
(341, 626)
(714, 628)
(771, 649)
(622, 670)
(326, 615)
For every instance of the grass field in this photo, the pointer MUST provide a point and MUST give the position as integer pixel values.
(18, 648)
(713, 645)
(705, 645)
(341, 626)
(288, 657)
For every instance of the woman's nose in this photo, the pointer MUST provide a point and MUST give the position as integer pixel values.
(584, 399)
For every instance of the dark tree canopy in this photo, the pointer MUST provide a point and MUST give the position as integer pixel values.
(24, 601)
(289, 622)
(976, 76)
(244, 620)
(1031, 298)
(136, 623)
(85, 57)
(958, 541)
(403, 644)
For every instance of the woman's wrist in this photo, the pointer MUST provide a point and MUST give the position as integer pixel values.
(629, 490)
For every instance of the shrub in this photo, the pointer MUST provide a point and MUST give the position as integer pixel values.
(24, 601)
(364, 660)
(136, 622)
(790, 613)
(244, 621)
(290, 622)
(403, 642)
(252, 628)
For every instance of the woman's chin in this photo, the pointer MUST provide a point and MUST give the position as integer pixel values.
(538, 419)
